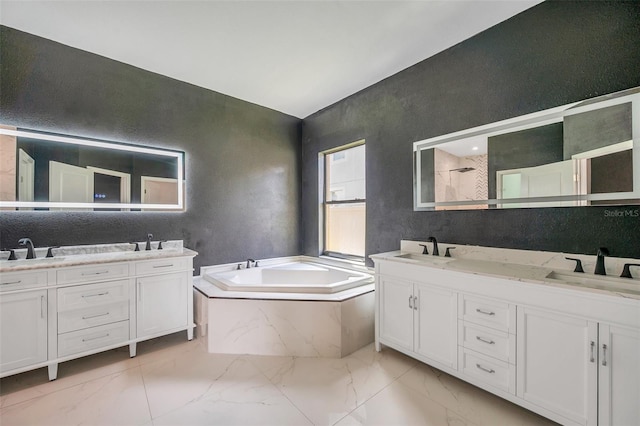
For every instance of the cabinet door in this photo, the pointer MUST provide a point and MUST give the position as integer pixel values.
(556, 363)
(161, 303)
(23, 329)
(396, 312)
(436, 324)
(619, 375)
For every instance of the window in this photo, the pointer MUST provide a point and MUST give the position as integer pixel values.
(344, 201)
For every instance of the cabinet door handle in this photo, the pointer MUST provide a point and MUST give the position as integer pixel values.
(163, 266)
(487, 341)
(95, 316)
(487, 370)
(592, 345)
(415, 303)
(604, 354)
(483, 312)
(95, 273)
(12, 282)
(410, 299)
(95, 338)
(95, 295)
(41, 306)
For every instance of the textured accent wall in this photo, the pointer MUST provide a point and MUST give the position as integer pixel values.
(550, 55)
(242, 160)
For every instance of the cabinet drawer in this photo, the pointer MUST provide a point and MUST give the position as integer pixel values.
(92, 338)
(93, 316)
(18, 280)
(160, 266)
(105, 271)
(84, 296)
(490, 312)
(488, 370)
(487, 341)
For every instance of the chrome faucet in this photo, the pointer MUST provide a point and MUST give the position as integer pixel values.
(435, 245)
(250, 261)
(31, 254)
(600, 269)
(148, 246)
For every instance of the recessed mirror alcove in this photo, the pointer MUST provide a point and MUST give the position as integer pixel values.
(42, 171)
(581, 154)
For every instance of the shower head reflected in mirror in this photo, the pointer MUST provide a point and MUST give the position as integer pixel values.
(463, 169)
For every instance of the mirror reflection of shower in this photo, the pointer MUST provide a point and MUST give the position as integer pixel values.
(460, 176)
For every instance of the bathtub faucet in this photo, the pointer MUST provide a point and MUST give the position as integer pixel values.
(250, 262)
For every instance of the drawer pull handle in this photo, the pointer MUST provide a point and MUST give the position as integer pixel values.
(483, 312)
(415, 303)
(95, 338)
(604, 355)
(487, 341)
(486, 370)
(95, 316)
(95, 273)
(592, 358)
(96, 295)
(410, 299)
(163, 266)
(12, 282)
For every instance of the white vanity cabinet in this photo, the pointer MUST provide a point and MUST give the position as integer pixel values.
(570, 355)
(161, 303)
(23, 319)
(419, 318)
(487, 341)
(54, 314)
(23, 329)
(557, 363)
(618, 375)
(583, 370)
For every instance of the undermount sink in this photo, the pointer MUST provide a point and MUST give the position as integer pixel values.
(426, 258)
(602, 282)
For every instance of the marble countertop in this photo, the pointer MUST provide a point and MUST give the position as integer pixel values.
(535, 274)
(92, 254)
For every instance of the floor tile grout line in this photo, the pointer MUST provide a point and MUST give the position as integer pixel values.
(287, 398)
(146, 394)
(372, 396)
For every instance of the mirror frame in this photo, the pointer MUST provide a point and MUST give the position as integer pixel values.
(178, 155)
(529, 121)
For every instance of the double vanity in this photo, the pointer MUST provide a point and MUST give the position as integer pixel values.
(519, 324)
(89, 299)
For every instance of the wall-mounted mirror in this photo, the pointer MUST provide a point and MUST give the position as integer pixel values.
(42, 171)
(586, 153)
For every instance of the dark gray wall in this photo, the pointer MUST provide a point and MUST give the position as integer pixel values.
(242, 160)
(550, 55)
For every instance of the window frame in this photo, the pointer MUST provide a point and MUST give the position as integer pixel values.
(324, 175)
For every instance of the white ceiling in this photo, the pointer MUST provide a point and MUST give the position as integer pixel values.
(292, 56)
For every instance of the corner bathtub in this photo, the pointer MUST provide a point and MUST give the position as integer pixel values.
(301, 306)
(294, 277)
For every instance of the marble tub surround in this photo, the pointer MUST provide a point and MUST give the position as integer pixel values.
(88, 254)
(301, 324)
(539, 267)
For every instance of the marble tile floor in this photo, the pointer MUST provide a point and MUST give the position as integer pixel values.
(176, 382)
